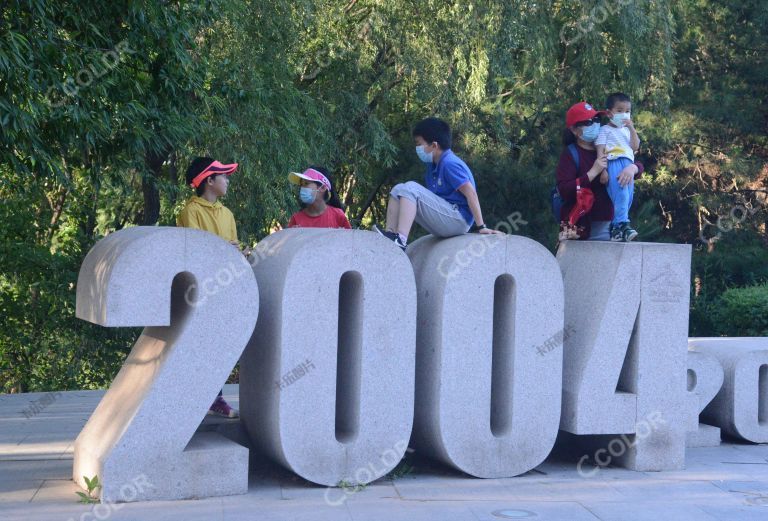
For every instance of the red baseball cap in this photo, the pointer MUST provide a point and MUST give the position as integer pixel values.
(582, 111)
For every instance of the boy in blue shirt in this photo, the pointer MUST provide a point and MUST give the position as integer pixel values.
(448, 205)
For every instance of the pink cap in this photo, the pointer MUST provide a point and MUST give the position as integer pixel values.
(213, 169)
(310, 174)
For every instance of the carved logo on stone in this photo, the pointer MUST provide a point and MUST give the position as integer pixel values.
(666, 287)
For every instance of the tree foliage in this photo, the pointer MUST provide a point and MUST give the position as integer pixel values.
(102, 105)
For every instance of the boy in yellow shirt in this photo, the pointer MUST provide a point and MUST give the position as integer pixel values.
(203, 211)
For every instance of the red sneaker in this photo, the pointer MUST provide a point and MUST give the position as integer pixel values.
(221, 408)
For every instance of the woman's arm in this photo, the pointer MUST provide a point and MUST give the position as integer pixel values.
(567, 175)
(640, 169)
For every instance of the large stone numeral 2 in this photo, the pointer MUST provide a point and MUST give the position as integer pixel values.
(198, 300)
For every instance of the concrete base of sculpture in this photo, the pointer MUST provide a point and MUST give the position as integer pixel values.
(625, 361)
(705, 436)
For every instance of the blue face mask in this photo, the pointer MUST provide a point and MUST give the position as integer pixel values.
(619, 118)
(423, 155)
(307, 195)
(590, 133)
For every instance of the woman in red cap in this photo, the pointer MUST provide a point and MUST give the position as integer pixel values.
(320, 205)
(582, 123)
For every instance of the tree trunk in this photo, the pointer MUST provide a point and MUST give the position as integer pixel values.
(154, 162)
(372, 197)
(173, 176)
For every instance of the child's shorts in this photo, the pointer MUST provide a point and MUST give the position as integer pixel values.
(435, 214)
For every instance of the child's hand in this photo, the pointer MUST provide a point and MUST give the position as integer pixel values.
(628, 123)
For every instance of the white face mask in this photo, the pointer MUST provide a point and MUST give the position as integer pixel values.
(618, 119)
(426, 157)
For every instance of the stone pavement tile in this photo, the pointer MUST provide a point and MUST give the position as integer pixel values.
(720, 463)
(647, 511)
(203, 510)
(244, 508)
(566, 490)
(729, 453)
(17, 490)
(71, 423)
(49, 432)
(710, 473)
(539, 511)
(12, 470)
(758, 451)
(549, 469)
(592, 472)
(393, 510)
(757, 448)
(425, 487)
(380, 489)
(738, 513)
(15, 405)
(54, 427)
(210, 509)
(67, 427)
(59, 491)
(750, 488)
(34, 447)
(678, 491)
(11, 437)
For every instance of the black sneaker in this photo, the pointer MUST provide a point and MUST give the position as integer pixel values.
(616, 233)
(392, 236)
(627, 232)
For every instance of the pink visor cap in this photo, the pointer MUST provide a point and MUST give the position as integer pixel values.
(310, 174)
(213, 169)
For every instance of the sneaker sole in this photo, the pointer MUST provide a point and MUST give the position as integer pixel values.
(630, 237)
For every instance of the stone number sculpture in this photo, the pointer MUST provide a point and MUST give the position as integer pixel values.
(476, 350)
(194, 333)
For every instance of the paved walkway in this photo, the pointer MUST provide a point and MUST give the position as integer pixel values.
(729, 482)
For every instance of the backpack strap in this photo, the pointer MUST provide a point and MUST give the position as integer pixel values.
(574, 154)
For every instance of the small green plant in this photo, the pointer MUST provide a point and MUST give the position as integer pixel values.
(92, 485)
(351, 487)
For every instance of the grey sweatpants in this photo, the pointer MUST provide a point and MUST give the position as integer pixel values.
(435, 214)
